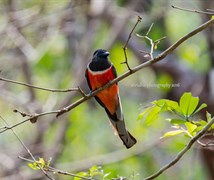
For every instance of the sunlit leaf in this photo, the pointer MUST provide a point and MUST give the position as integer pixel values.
(188, 103)
(191, 128)
(106, 175)
(33, 166)
(41, 162)
(208, 116)
(173, 133)
(202, 123)
(153, 115)
(200, 108)
(177, 121)
(81, 174)
(141, 115)
(167, 105)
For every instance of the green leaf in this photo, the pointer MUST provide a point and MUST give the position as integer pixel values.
(213, 17)
(141, 115)
(173, 133)
(81, 174)
(191, 128)
(177, 121)
(200, 108)
(41, 162)
(208, 116)
(188, 104)
(167, 105)
(202, 123)
(106, 175)
(152, 115)
(33, 166)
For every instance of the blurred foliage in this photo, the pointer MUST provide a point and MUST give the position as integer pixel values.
(57, 64)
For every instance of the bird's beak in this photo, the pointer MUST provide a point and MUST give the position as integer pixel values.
(106, 53)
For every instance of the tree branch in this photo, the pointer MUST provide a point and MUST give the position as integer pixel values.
(181, 153)
(40, 88)
(119, 78)
(141, 66)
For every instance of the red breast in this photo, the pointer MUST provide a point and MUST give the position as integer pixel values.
(109, 96)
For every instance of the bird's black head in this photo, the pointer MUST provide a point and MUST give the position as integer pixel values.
(100, 60)
(101, 53)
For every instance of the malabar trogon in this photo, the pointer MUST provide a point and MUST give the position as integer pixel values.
(99, 72)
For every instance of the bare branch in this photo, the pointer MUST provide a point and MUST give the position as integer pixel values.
(193, 10)
(32, 118)
(37, 87)
(212, 10)
(181, 153)
(125, 46)
(208, 144)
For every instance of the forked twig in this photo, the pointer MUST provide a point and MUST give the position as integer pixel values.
(151, 41)
(126, 44)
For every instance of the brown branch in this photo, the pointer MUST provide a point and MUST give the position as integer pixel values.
(40, 88)
(32, 118)
(181, 153)
(125, 46)
(193, 10)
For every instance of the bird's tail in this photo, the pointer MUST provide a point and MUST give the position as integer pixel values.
(125, 136)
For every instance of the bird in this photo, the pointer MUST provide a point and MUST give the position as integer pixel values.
(99, 72)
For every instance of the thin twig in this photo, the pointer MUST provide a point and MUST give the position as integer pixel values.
(152, 43)
(208, 144)
(23, 114)
(81, 91)
(150, 28)
(37, 87)
(181, 153)
(212, 10)
(3, 129)
(26, 148)
(126, 44)
(193, 10)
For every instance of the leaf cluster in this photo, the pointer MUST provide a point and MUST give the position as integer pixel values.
(184, 110)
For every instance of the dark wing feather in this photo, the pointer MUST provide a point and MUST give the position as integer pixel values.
(99, 101)
(114, 71)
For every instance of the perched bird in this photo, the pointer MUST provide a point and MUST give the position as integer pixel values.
(99, 72)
